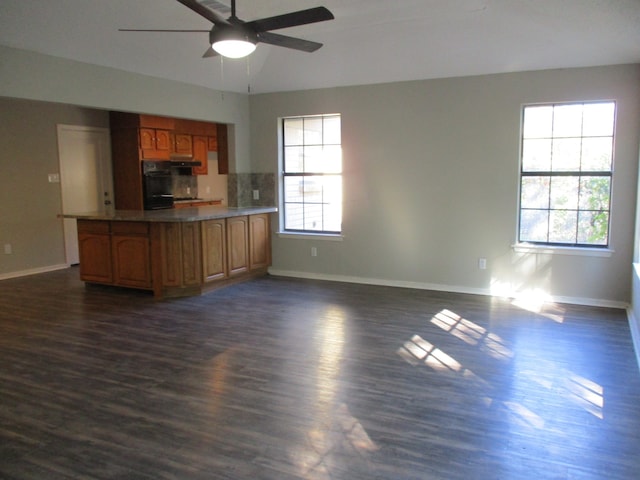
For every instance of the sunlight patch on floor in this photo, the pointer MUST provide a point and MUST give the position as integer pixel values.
(472, 334)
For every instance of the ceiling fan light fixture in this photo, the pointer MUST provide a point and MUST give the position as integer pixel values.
(233, 42)
(233, 48)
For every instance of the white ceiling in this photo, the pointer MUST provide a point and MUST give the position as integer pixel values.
(370, 41)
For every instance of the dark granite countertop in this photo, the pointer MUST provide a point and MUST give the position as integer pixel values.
(188, 214)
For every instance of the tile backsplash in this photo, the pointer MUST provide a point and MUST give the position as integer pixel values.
(241, 187)
(185, 186)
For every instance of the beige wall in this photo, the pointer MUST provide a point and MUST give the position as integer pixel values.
(29, 204)
(431, 183)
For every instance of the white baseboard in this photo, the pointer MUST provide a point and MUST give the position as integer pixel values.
(634, 326)
(592, 302)
(32, 271)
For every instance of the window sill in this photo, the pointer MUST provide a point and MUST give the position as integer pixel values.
(337, 237)
(556, 250)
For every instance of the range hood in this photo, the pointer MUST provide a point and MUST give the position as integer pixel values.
(184, 161)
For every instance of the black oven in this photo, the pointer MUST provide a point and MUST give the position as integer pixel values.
(157, 185)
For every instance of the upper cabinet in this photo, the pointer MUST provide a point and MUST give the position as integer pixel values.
(154, 143)
(200, 155)
(182, 144)
(136, 137)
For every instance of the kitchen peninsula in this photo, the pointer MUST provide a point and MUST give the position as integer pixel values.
(174, 252)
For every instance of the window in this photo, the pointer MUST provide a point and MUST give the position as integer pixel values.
(312, 174)
(565, 180)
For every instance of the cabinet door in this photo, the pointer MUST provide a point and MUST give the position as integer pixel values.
(259, 241)
(171, 255)
(183, 144)
(190, 238)
(212, 143)
(200, 154)
(214, 258)
(95, 257)
(237, 245)
(147, 138)
(131, 261)
(163, 140)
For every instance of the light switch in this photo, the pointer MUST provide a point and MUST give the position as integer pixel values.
(54, 178)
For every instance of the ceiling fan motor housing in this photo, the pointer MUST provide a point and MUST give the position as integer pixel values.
(222, 32)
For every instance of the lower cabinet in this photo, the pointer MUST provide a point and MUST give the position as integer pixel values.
(214, 258)
(94, 247)
(174, 258)
(238, 245)
(259, 241)
(116, 253)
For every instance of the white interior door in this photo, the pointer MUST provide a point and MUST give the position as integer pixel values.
(85, 177)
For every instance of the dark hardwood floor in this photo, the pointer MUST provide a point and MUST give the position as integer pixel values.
(289, 379)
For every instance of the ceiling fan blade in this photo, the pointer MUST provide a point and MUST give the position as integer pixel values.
(293, 19)
(288, 42)
(210, 53)
(200, 9)
(158, 30)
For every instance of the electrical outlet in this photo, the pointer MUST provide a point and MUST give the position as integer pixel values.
(7, 249)
(256, 194)
(482, 263)
(314, 252)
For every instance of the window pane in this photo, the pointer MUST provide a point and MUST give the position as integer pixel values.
(332, 159)
(567, 120)
(536, 155)
(332, 215)
(595, 193)
(537, 122)
(596, 154)
(313, 159)
(293, 159)
(535, 192)
(294, 216)
(593, 228)
(313, 131)
(534, 225)
(562, 226)
(598, 119)
(566, 155)
(332, 130)
(293, 131)
(564, 192)
(313, 217)
(293, 189)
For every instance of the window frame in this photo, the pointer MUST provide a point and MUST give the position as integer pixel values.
(301, 233)
(577, 248)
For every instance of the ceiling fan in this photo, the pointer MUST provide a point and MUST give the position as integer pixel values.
(235, 38)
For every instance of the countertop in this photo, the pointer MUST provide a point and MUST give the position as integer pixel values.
(188, 214)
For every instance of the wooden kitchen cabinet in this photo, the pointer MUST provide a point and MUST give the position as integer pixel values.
(214, 254)
(131, 254)
(94, 246)
(131, 262)
(259, 241)
(237, 245)
(114, 253)
(182, 144)
(200, 154)
(154, 143)
(175, 258)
